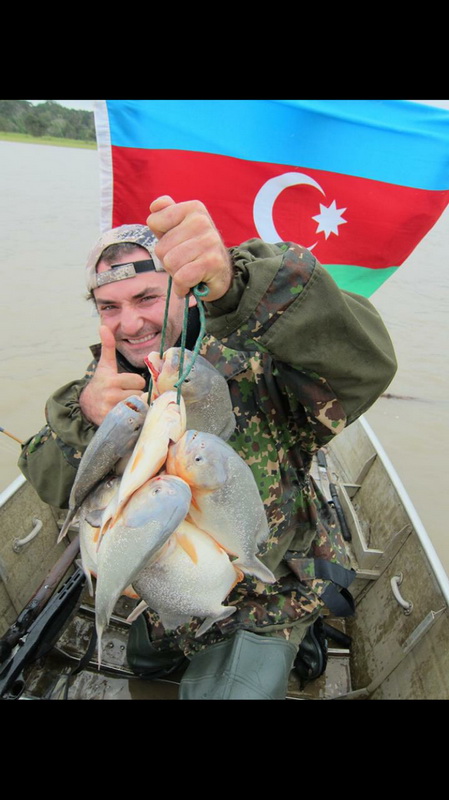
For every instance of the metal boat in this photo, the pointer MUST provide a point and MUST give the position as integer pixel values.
(396, 646)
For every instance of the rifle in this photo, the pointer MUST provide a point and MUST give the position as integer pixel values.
(39, 625)
(335, 501)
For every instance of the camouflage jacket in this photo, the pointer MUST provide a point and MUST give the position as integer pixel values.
(302, 360)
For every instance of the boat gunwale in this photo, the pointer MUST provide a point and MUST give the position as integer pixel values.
(418, 526)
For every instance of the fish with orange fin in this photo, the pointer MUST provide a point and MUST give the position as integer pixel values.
(114, 439)
(205, 391)
(141, 528)
(164, 423)
(90, 518)
(191, 577)
(225, 499)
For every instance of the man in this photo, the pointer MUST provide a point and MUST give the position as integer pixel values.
(302, 360)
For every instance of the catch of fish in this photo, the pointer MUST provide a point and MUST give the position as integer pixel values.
(168, 511)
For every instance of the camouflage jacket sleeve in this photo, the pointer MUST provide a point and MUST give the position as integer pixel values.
(283, 302)
(50, 459)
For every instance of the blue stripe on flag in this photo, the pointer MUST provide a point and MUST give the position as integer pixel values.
(395, 141)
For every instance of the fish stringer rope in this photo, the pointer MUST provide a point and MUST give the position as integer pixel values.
(199, 291)
(163, 331)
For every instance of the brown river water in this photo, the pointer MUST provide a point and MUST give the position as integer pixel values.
(50, 202)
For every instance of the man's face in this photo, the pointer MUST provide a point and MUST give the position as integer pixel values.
(133, 309)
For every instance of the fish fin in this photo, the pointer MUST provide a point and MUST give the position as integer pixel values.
(137, 611)
(222, 546)
(240, 575)
(94, 517)
(209, 621)
(137, 459)
(194, 503)
(129, 592)
(228, 430)
(263, 532)
(187, 545)
(171, 620)
(98, 537)
(100, 628)
(256, 568)
(88, 575)
(67, 522)
(79, 563)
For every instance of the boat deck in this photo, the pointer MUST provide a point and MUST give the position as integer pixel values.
(116, 681)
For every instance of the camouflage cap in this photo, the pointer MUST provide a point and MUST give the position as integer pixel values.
(136, 234)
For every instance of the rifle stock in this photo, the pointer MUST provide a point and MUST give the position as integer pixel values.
(38, 626)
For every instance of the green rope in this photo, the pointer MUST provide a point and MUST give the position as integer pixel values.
(164, 325)
(199, 291)
(149, 388)
(183, 347)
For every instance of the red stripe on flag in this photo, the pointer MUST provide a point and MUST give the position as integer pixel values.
(382, 222)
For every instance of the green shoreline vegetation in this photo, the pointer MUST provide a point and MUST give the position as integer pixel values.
(46, 123)
(8, 136)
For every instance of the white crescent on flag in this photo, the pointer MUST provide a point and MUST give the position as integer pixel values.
(266, 198)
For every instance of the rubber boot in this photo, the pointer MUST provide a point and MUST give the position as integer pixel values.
(245, 667)
(144, 659)
(311, 660)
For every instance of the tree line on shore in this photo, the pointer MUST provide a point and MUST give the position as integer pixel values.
(46, 119)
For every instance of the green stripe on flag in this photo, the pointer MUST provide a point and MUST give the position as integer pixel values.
(360, 280)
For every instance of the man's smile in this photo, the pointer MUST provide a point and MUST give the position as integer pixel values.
(147, 337)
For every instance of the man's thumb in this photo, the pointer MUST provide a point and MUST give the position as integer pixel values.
(108, 357)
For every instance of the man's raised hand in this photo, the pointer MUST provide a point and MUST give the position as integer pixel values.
(108, 386)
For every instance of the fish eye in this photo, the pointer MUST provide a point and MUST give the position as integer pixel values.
(198, 459)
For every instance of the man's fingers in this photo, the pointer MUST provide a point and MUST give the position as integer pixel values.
(161, 202)
(167, 214)
(130, 382)
(108, 358)
(154, 221)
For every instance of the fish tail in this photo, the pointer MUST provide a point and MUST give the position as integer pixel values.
(88, 579)
(137, 611)
(209, 621)
(100, 628)
(65, 526)
(103, 611)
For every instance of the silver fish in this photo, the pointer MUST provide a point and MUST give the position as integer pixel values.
(115, 438)
(191, 577)
(165, 423)
(141, 528)
(225, 499)
(205, 391)
(90, 516)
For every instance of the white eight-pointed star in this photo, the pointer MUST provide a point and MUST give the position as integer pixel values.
(329, 219)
